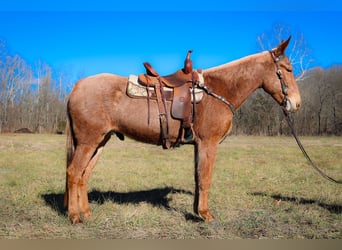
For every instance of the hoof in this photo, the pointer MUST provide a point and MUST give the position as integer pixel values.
(206, 216)
(75, 219)
(86, 215)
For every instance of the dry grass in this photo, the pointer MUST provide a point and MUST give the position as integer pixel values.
(140, 191)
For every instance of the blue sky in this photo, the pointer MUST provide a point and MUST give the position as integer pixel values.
(118, 37)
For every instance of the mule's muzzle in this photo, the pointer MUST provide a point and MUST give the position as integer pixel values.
(291, 105)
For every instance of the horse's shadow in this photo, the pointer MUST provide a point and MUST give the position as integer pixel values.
(157, 197)
(332, 208)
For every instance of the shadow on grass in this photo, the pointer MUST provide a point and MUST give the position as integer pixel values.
(332, 208)
(156, 197)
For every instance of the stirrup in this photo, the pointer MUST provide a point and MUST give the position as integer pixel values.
(188, 135)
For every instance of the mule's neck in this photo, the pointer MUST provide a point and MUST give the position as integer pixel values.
(237, 80)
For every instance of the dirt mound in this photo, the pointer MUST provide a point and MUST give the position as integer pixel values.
(23, 130)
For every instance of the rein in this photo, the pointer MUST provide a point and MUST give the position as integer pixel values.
(291, 123)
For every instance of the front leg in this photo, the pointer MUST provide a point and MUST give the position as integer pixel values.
(205, 155)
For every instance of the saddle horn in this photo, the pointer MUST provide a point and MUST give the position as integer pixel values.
(188, 63)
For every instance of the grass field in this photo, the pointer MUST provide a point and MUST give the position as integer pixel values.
(262, 188)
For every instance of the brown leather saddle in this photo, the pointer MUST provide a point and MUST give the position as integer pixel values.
(181, 106)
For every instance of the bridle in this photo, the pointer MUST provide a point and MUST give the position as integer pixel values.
(283, 84)
(290, 120)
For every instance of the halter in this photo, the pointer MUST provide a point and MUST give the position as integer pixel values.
(283, 84)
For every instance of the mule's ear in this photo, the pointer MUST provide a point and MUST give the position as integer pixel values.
(282, 47)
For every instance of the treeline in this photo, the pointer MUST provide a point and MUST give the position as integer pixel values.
(34, 97)
(31, 96)
(320, 113)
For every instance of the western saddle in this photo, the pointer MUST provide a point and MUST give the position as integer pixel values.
(181, 107)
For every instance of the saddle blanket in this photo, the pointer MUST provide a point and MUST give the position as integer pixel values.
(136, 90)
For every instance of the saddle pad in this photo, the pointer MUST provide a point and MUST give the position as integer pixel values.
(136, 90)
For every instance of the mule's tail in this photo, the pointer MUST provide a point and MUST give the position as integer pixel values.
(70, 150)
(70, 144)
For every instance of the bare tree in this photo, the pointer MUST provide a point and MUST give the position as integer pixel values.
(38, 102)
(321, 96)
(15, 76)
(298, 51)
(334, 86)
(321, 111)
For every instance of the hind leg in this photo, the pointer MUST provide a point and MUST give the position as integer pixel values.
(82, 187)
(76, 169)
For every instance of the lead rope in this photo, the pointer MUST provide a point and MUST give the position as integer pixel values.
(290, 123)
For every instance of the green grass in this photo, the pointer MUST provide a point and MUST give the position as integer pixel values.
(141, 191)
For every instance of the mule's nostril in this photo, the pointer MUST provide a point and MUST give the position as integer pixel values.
(298, 105)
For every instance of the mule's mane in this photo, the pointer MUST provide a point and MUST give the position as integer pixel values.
(235, 63)
(238, 79)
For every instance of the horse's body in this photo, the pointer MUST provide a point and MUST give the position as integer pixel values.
(98, 107)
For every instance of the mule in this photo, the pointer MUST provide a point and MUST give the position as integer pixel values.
(99, 107)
